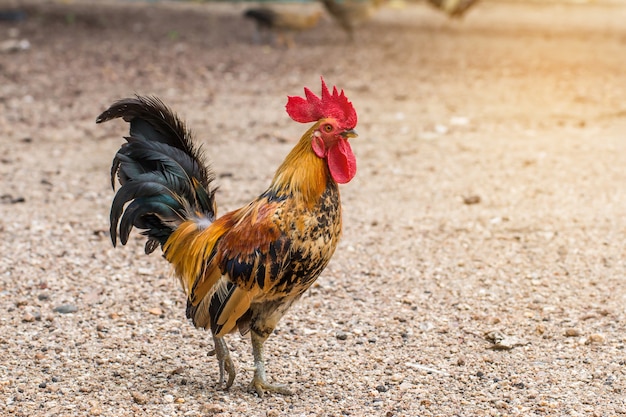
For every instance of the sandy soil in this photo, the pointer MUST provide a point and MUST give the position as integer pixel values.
(482, 266)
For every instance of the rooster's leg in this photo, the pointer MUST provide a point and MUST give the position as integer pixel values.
(225, 362)
(259, 382)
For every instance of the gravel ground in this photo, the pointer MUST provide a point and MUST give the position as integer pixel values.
(482, 267)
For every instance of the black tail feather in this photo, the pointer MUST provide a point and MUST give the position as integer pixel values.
(161, 172)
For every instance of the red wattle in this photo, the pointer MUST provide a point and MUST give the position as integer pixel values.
(341, 162)
(319, 147)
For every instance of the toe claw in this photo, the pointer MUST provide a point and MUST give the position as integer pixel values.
(261, 387)
(230, 369)
(227, 367)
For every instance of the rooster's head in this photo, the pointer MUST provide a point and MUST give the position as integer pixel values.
(336, 119)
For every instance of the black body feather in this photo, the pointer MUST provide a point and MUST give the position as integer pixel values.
(161, 172)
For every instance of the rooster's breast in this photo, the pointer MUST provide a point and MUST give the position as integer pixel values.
(314, 235)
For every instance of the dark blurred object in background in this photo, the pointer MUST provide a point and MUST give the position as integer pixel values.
(12, 15)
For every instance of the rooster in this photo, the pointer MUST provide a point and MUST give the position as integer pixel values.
(241, 271)
(281, 22)
(350, 13)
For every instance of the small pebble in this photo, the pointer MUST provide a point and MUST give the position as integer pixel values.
(596, 338)
(502, 405)
(405, 386)
(472, 199)
(177, 371)
(397, 377)
(66, 309)
(382, 388)
(43, 385)
(212, 408)
(28, 318)
(572, 332)
(155, 311)
(341, 335)
(139, 398)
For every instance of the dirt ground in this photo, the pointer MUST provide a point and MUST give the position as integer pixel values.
(481, 272)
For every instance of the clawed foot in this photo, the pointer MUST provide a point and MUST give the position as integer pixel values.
(260, 386)
(228, 366)
(259, 383)
(225, 363)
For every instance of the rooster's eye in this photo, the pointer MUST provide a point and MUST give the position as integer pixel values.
(328, 128)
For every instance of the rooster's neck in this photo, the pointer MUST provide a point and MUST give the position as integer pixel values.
(302, 175)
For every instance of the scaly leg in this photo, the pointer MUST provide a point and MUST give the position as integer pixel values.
(259, 382)
(225, 362)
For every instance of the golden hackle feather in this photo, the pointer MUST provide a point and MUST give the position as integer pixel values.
(303, 174)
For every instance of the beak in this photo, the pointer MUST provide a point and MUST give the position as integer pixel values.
(349, 134)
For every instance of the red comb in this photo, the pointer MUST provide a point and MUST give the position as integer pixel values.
(312, 108)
